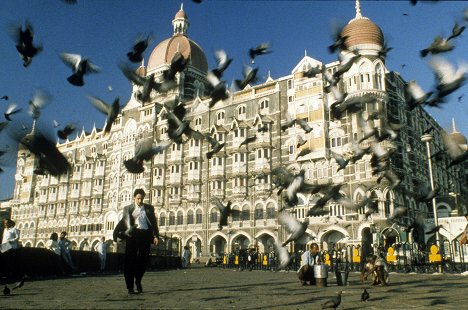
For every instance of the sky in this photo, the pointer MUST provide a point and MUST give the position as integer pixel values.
(104, 31)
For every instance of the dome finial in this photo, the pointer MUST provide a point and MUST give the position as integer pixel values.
(180, 22)
(305, 53)
(358, 9)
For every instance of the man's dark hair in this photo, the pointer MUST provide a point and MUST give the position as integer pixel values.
(313, 244)
(139, 191)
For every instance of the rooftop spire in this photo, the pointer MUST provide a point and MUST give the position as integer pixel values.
(358, 9)
(180, 22)
(453, 126)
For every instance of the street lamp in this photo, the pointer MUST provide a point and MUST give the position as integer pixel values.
(428, 138)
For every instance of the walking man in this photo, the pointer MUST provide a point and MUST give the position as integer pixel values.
(140, 229)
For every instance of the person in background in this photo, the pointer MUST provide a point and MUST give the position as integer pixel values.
(53, 245)
(308, 260)
(64, 245)
(101, 248)
(186, 256)
(11, 235)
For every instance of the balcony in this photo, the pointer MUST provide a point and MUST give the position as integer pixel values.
(42, 198)
(239, 168)
(193, 196)
(193, 175)
(86, 192)
(262, 187)
(53, 180)
(217, 171)
(194, 152)
(62, 196)
(75, 193)
(262, 163)
(175, 178)
(239, 190)
(84, 209)
(218, 192)
(99, 171)
(88, 174)
(175, 156)
(158, 181)
(76, 176)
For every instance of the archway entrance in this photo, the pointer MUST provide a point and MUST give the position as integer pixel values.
(265, 243)
(390, 236)
(194, 245)
(330, 238)
(218, 245)
(240, 242)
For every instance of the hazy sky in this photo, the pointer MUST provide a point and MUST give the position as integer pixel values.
(104, 30)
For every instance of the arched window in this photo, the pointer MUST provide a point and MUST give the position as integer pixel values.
(190, 217)
(214, 215)
(245, 216)
(162, 219)
(171, 218)
(379, 75)
(241, 111)
(259, 212)
(180, 218)
(199, 217)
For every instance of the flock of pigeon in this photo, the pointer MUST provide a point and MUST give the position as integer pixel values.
(51, 161)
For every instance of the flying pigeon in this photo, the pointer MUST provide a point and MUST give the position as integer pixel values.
(293, 226)
(112, 111)
(139, 47)
(24, 42)
(80, 66)
(260, 49)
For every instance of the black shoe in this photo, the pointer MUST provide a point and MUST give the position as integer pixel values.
(131, 292)
(139, 287)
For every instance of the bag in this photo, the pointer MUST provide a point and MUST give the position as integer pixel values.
(119, 231)
(5, 247)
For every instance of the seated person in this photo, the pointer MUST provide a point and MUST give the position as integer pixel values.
(308, 260)
(377, 267)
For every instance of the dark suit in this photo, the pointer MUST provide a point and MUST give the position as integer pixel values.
(138, 243)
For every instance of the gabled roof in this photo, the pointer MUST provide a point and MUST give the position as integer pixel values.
(306, 60)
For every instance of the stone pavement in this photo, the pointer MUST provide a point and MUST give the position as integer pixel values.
(216, 288)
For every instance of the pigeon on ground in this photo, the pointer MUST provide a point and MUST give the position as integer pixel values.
(334, 302)
(293, 226)
(20, 283)
(139, 47)
(80, 66)
(112, 111)
(365, 295)
(262, 49)
(6, 291)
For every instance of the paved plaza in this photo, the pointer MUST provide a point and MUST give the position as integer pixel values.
(217, 288)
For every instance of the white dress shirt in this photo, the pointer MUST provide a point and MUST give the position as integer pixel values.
(11, 235)
(139, 215)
